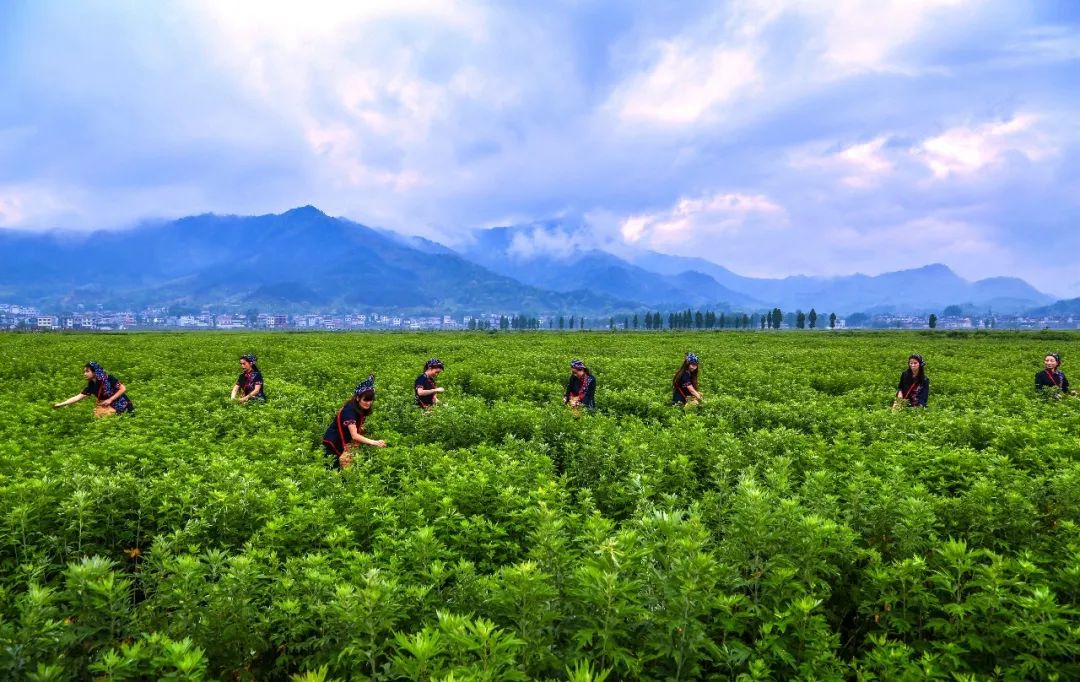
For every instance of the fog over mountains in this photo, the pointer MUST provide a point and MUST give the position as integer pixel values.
(305, 260)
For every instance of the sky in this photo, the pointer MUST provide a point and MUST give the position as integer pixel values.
(774, 138)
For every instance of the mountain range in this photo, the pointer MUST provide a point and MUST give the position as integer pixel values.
(305, 260)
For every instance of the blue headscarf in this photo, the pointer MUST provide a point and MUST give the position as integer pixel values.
(365, 386)
(99, 372)
(121, 404)
(691, 359)
(434, 362)
(577, 364)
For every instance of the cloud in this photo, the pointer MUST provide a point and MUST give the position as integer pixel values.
(686, 85)
(713, 216)
(709, 130)
(865, 36)
(540, 241)
(965, 150)
(862, 165)
(19, 203)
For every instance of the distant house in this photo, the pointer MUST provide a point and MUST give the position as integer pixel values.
(226, 321)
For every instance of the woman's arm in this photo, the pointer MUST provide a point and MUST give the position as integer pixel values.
(121, 390)
(254, 392)
(360, 438)
(425, 392)
(694, 392)
(235, 390)
(70, 401)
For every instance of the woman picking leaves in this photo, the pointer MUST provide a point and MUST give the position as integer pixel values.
(249, 386)
(426, 390)
(581, 389)
(684, 384)
(110, 395)
(914, 387)
(1051, 377)
(346, 432)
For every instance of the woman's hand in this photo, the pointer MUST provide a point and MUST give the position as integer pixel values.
(378, 443)
(439, 389)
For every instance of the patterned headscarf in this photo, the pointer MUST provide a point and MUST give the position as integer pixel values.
(691, 359)
(577, 364)
(99, 372)
(1056, 357)
(106, 390)
(434, 362)
(365, 386)
(250, 357)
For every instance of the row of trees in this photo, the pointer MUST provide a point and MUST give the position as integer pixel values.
(683, 319)
(800, 320)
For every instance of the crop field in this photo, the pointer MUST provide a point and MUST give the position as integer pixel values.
(791, 526)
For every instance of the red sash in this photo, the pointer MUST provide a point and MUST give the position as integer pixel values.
(1053, 379)
(912, 390)
(341, 431)
(584, 386)
(102, 385)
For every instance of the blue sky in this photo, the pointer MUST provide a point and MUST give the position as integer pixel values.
(774, 138)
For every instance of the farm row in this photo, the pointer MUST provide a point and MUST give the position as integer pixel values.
(791, 525)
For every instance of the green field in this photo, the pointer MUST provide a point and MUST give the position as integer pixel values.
(792, 526)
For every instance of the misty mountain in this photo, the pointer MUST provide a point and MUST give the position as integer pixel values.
(305, 260)
(511, 251)
(535, 254)
(1070, 306)
(301, 259)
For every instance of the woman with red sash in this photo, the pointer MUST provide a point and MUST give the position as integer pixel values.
(581, 389)
(426, 391)
(914, 387)
(684, 385)
(110, 395)
(249, 385)
(1051, 376)
(346, 432)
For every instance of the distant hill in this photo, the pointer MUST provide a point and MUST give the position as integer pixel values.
(1069, 306)
(500, 249)
(301, 259)
(655, 278)
(305, 260)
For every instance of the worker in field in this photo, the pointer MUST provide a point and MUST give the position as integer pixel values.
(914, 387)
(249, 386)
(684, 385)
(427, 393)
(581, 389)
(1051, 376)
(109, 394)
(346, 432)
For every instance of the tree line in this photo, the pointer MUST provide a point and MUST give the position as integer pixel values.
(678, 320)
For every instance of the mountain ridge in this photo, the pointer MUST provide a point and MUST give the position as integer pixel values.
(305, 258)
